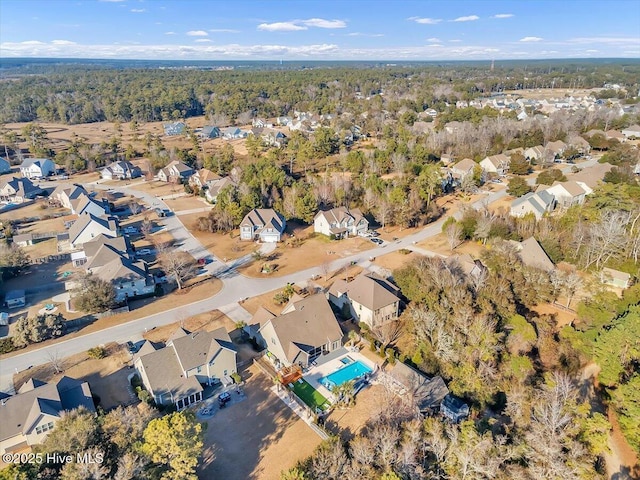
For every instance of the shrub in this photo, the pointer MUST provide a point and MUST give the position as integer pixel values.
(7, 345)
(236, 377)
(97, 352)
(404, 251)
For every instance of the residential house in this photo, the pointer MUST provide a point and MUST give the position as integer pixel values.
(37, 168)
(18, 190)
(15, 299)
(274, 138)
(202, 177)
(615, 278)
(454, 409)
(121, 170)
(27, 417)
(122, 245)
(532, 254)
(175, 172)
(615, 135)
(5, 166)
(567, 194)
(260, 123)
(264, 224)
(210, 131)
(631, 132)
(304, 330)
(535, 153)
(64, 194)
(214, 187)
(555, 150)
(498, 164)
(463, 168)
(580, 144)
(340, 222)
(174, 375)
(425, 392)
(174, 128)
(231, 133)
(370, 298)
(537, 203)
(89, 226)
(130, 278)
(283, 121)
(471, 267)
(85, 203)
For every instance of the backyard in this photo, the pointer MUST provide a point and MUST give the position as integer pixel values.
(309, 395)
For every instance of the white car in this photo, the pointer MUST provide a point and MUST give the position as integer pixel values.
(143, 251)
(130, 230)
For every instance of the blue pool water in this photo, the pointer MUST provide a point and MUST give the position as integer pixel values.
(353, 370)
(346, 360)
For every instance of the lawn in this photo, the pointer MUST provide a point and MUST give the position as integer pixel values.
(310, 395)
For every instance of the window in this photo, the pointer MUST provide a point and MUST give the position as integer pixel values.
(225, 373)
(273, 340)
(199, 369)
(44, 428)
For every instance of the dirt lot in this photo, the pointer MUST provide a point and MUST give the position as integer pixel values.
(222, 246)
(394, 260)
(257, 438)
(187, 203)
(563, 317)
(439, 244)
(107, 377)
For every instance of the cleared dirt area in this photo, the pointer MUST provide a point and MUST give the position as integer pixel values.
(395, 260)
(222, 246)
(187, 203)
(439, 244)
(257, 438)
(107, 376)
(562, 316)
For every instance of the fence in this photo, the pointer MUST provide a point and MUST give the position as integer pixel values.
(40, 236)
(52, 258)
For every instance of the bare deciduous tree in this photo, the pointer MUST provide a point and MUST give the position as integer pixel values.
(453, 232)
(56, 360)
(179, 265)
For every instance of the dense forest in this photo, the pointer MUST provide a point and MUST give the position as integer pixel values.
(77, 94)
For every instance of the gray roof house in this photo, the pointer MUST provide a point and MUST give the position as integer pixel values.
(537, 203)
(370, 298)
(463, 168)
(120, 170)
(340, 222)
(37, 167)
(304, 330)
(5, 166)
(174, 375)
(426, 393)
(121, 245)
(210, 131)
(454, 409)
(496, 164)
(533, 255)
(264, 224)
(174, 128)
(175, 172)
(18, 190)
(89, 226)
(28, 416)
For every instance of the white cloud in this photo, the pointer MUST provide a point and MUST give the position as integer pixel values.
(138, 10)
(455, 40)
(322, 23)
(281, 27)
(63, 42)
(606, 40)
(434, 45)
(592, 51)
(360, 34)
(530, 39)
(503, 15)
(468, 18)
(434, 40)
(425, 20)
(169, 33)
(32, 42)
(197, 33)
(223, 30)
(202, 40)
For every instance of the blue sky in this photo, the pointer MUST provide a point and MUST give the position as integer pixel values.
(320, 30)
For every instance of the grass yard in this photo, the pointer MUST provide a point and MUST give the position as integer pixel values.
(310, 395)
(394, 260)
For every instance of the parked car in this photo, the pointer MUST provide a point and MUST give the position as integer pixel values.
(144, 251)
(377, 241)
(224, 398)
(132, 347)
(130, 230)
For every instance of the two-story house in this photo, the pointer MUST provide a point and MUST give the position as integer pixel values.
(264, 224)
(536, 203)
(18, 190)
(370, 298)
(567, 194)
(463, 169)
(304, 330)
(175, 172)
(89, 226)
(174, 128)
(37, 168)
(121, 170)
(498, 164)
(27, 417)
(174, 375)
(130, 278)
(340, 222)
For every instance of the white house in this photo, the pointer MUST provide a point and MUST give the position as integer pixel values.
(304, 330)
(18, 190)
(174, 375)
(89, 226)
(129, 278)
(340, 222)
(121, 170)
(213, 188)
(535, 153)
(632, 132)
(66, 193)
(498, 164)
(463, 168)
(175, 172)
(28, 416)
(264, 224)
(371, 299)
(567, 194)
(37, 167)
(5, 166)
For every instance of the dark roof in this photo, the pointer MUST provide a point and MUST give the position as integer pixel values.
(455, 404)
(428, 392)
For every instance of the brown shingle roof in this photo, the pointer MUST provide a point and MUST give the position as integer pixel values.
(369, 290)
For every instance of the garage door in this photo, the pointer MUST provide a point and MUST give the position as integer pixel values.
(270, 238)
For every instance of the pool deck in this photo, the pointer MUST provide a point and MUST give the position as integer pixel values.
(331, 363)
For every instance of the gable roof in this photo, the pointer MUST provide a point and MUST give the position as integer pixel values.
(121, 244)
(21, 186)
(308, 324)
(104, 255)
(85, 220)
(428, 392)
(39, 162)
(264, 218)
(540, 201)
(368, 289)
(196, 349)
(340, 214)
(122, 269)
(465, 165)
(35, 398)
(533, 255)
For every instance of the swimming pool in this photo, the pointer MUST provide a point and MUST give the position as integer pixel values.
(352, 371)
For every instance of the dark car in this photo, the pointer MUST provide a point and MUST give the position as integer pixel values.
(132, 347)
(224, 398)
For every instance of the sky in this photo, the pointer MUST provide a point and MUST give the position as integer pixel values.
(320, 30)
